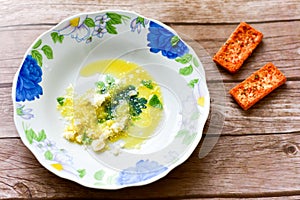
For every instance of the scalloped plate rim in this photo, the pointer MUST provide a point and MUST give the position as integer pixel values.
(180, 161)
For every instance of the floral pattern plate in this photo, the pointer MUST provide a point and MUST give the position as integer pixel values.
(53, 62)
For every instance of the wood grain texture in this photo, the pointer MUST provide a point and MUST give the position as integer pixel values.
(172, 11)
(258, 153)
(238, 166)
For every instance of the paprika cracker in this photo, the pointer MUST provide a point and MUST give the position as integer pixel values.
(238, 47)
(257, 86)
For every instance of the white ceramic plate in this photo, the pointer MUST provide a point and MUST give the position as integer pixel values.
(54, 61)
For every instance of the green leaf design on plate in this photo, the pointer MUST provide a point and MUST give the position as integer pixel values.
(30, 135)
(47, 51)
(174, 40)
(110, 28)
(195, 62)
(99, 184)
(37, 44)
(61, 38)
(140, 20)
(195, 115)
(99, 175)
(114, 18)
(89, 22)
(81, 172)
(193, 82)
(41, 136)
(185, 71)
(111, 179)
(181, 133)
(186, 58)
(20, 110)
(56, 37)
(48, 155)
(188, 138)
(37, 56)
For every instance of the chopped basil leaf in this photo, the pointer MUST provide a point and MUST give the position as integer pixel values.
(147, 84)
(101, 86)
(129, 94)
(110, 80)
(155, 102)
(60, 100)
(86, 140)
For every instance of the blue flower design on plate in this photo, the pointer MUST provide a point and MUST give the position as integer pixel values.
(100, 26)
(76, 28)
(143, 170)
(137, 24)
(161, 39)
(30, 76)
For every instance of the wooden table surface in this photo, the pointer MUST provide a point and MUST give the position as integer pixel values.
(258, 152)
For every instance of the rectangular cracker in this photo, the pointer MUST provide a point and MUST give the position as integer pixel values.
(257, 86)
(238, 47)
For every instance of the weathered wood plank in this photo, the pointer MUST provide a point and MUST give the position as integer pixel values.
(255, 160)
(6, 117)
(276, 113)
(15, 12)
